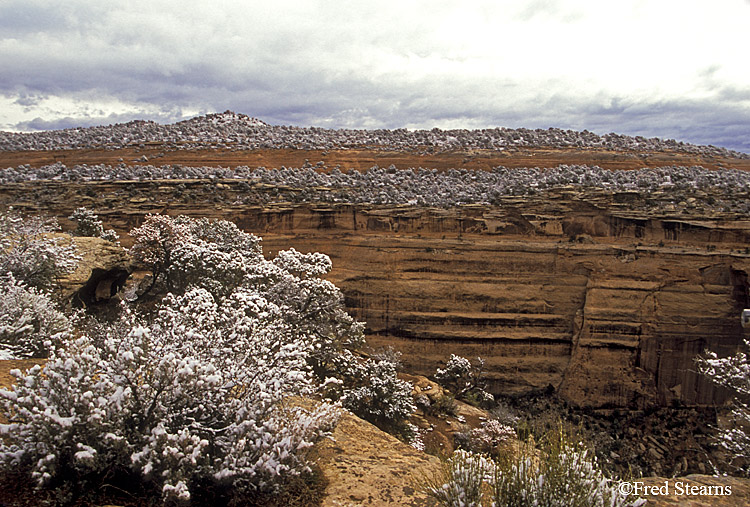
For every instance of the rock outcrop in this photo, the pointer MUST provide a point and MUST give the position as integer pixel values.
(102, 271)
(365, 466)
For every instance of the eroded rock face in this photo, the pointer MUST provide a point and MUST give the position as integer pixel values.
(605, 297)
(607, 322)
(101, 272)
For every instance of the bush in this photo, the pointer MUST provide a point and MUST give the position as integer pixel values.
(465, 380)
(31, 252)
(88, 224)
(460, 481)
(505, 415)
(199, 396)
(29, 321)
(445, 404)
(155, 241)
(372, 390)
(489, 435)
(559, 473)
(733, 373)
(184, 253)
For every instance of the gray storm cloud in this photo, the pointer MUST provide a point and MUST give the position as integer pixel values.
(672, 70)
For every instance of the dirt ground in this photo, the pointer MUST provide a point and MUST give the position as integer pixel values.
(362, 159)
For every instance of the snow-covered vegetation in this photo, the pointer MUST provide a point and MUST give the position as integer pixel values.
(32, 252)
(201, 392)
(733, 373)
(416, 187)
(32, 256)
(373, 391)
(88, 224)
(30, 322)
(557, 473)
(238, 131)
(465, 380)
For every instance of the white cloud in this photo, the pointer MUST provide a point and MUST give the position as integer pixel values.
(386, 63)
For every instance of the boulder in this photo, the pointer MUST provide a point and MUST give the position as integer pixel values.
(366, 466)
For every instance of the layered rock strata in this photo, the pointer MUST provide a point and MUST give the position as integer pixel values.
(607, 297)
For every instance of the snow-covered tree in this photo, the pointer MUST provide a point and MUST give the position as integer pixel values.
(489, 435)
(31, 250)
(220, 258)
(155, 240)
(733, 373)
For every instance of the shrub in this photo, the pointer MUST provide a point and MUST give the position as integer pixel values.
(372, 390)
(460, 481)
(445, 404)
(200, 395)
(29, 321)
(465, 380)
(505, 414)
(489, 435)
(155, 241)
(88, 224)
(220, 258)
(559, 473)
(732, 373)
(31, 251)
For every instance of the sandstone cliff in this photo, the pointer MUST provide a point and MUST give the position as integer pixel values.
(601, 295)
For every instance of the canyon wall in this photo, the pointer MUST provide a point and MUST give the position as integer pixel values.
(603, 299)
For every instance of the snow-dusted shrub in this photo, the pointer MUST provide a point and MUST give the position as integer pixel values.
(88, 224)
(503, 413)
(373, 391)
(733, 373)
(465, 380)
(32, 252)
(155, 240)
(198, 263)
(559, 473)
(459, 484)
(200, 395)
(29, 321)
(220, 258)
(489, 435)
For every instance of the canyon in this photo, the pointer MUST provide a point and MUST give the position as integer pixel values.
(603, 296)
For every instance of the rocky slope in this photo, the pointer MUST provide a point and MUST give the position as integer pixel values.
(240, 132)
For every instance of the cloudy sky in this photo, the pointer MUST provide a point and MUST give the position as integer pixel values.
(668, 68)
